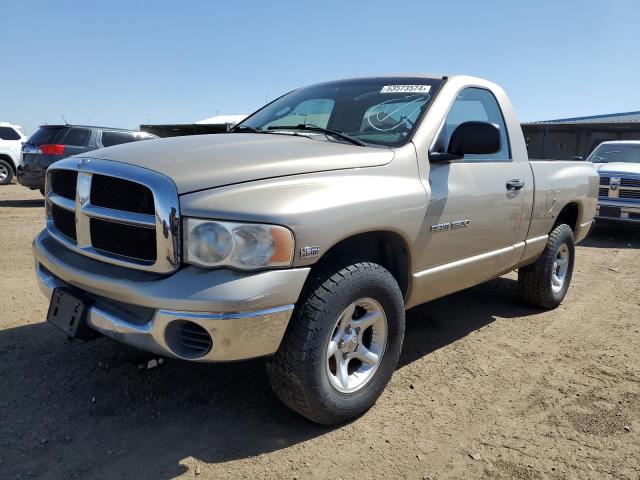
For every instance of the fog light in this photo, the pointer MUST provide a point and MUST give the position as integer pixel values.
(188, 339)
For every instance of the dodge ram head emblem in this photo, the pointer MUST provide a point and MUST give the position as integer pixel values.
(614, 183)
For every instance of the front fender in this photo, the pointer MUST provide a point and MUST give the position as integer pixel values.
(323, 208)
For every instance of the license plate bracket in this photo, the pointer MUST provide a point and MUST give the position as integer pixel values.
(68, 311)
(609, 212)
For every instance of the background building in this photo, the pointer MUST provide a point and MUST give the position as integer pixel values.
(562, 139)
(217, 124)
(566, 138)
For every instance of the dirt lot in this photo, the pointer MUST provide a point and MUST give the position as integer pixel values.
(535, 394)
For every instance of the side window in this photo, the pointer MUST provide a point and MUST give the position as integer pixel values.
(313, 112)
(110, 138)
(477, 104)
(8, 133)
(77, 137)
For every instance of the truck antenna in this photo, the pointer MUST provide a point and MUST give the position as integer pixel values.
(65, 120)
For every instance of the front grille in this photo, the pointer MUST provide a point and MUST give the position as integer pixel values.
(629, 193)
(120, 194)
(63, 183)
(64, 221)
(630, 182)
(125, 240)
(108, 211)
(627, 188)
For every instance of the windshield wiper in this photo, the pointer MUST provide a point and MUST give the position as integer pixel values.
(315, 128)
(240, 128)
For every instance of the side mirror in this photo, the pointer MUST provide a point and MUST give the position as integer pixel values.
(577, 158)
(470, 138)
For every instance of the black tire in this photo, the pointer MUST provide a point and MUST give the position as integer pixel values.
(535, 280)
(7, 168)
(299, 372)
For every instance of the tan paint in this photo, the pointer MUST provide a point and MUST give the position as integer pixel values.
(408, 195)
(326, 192)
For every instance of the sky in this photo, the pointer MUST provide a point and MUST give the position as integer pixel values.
(123, 63)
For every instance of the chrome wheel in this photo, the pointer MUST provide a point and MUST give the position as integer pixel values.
(560, 268)
(4, 172)
(357, 345)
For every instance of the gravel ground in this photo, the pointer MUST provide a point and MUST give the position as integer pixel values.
(529, 394)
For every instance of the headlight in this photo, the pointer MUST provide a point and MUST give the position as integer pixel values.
(246, 246)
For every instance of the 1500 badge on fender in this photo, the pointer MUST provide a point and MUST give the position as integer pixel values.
(455, 225)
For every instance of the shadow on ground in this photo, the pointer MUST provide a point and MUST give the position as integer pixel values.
(613, 235)
(95, 410)
(31, 203)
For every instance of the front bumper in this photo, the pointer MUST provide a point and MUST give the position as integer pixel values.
(620, 211)
(245, 314)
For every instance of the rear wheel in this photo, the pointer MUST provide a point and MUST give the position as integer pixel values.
(342, 344)
(6, 172)
(545, 283)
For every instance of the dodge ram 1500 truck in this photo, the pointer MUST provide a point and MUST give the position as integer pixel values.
(618, 164)
(304, 233)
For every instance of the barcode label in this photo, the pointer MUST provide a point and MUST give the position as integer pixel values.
(406, 89)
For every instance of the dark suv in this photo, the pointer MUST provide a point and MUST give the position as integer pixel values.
(55, 142)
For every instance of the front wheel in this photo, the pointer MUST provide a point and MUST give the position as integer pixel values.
(342, 344)
(545, 282)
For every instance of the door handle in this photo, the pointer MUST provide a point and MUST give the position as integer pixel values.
(515, 184)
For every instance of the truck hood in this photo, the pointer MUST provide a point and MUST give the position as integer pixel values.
(621, 167)
(200, 162)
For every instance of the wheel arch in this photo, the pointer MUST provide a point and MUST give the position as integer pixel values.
(8, 158)
(384, 247)
(569, 215)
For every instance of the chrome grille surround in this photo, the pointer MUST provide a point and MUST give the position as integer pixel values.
(165, 221)
(623, 186)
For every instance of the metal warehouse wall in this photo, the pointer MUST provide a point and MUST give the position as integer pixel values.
(553, 141)
(564, 141)
(179, 130)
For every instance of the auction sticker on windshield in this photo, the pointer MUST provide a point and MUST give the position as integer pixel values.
(405, 89)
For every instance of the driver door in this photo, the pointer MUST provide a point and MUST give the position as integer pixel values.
(473, 220)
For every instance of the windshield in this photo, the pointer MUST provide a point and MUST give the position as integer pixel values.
(616, 152)
(380, 111)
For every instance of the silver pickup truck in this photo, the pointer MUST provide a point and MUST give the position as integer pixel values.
(618, 164)
(305, 233)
